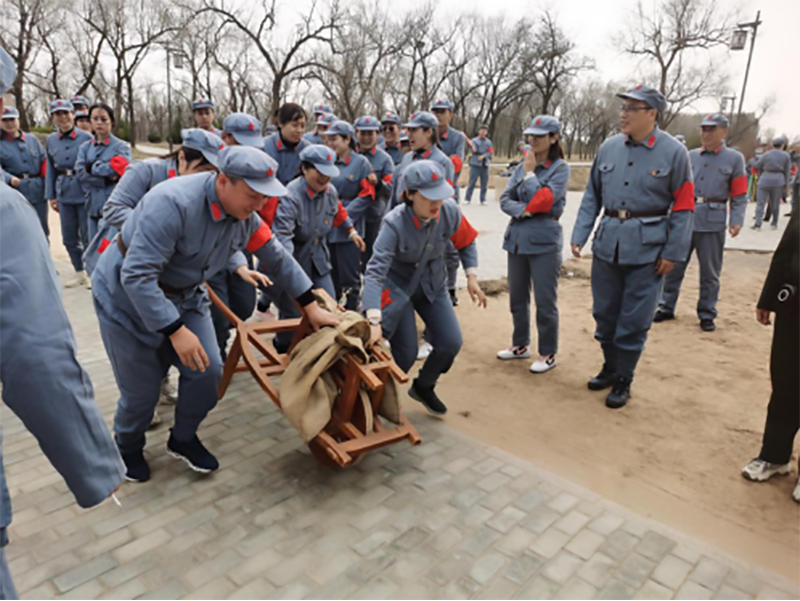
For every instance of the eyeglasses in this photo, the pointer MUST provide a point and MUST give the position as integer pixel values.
(633, 109)
(388, 127)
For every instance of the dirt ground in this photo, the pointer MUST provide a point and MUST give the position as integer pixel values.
(674, 454)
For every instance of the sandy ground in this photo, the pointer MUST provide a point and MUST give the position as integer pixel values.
(675, 452)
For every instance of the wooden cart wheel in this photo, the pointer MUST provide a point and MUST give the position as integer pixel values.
(362, 419)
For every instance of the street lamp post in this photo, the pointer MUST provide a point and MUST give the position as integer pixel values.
(169, 102)
(738, 43)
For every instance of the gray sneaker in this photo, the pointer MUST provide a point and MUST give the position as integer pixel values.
(759, 470)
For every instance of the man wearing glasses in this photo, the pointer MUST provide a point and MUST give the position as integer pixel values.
(390, 126)
(641, 180)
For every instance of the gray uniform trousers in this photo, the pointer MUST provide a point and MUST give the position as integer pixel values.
(709, 247)
(7, 588)
(771, 195)
(542, 272)
(139, 370)
(625, 299)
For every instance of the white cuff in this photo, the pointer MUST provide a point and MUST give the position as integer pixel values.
(471, 271)
(353, 233)
(373, 313)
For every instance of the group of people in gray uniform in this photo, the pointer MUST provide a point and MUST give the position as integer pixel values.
(285, 214)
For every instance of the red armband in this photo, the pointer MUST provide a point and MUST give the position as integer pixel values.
(684, 198)
(386, 299)
(367, 189)
(341, 215)
(43, 169)
(465, 234)
(268, 211)
(387, 179)
(458, 164)
(259, 238)
(541, 202)
(739, 186)
(119, 164)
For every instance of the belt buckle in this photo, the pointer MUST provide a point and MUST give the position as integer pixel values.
(623, 214)
(700, 200)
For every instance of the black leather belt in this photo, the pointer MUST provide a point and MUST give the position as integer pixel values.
(67, 173)
(28, 176)
(625, 214)
(168, 289)
(545, 216)
(701, 201)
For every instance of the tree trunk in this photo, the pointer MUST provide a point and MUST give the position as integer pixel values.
(131, 112)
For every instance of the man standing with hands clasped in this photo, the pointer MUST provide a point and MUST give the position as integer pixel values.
(718, 176)
(641, 180)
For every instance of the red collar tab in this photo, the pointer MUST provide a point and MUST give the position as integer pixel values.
(216, 211)
(105, 142)
(279, 144)
(651, 141)
(347, 160)
(374, 151)
(171, 173)
(417, 222)
(427, 153)
(547, 164)
(445, 135)
(310, 192)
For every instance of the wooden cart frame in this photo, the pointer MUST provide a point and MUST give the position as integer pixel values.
(354, 428)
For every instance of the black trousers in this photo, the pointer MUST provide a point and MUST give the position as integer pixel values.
(783, 413)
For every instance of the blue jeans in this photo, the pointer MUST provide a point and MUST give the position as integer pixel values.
(74, 231)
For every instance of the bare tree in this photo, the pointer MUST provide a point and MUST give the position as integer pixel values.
(673, 41)
(21, 25)
(557, 63)
(285, 61)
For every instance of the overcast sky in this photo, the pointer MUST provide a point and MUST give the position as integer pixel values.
(593, 24)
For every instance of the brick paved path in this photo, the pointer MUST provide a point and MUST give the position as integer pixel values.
(451, 518)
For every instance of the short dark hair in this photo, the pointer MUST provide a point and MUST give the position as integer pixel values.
(107, 109)
(190, 154)
(556, 151)
(290, 111)
(406, 196)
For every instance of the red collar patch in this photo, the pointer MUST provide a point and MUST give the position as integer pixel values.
(171, 173)
(651, 141)
(216, 211)
(427, 153)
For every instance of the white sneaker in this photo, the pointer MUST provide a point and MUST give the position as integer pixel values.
(425, 350)
(79, 279)
(759, 470)
(88, 281)
(169, 394)
(514, 352)
(796, 493)
(543, 363)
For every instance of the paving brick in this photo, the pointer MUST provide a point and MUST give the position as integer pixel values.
(484, 569)
(561, 567)
(577, 589)
(410, 540)
(445, 540)
(481, 540)
(247, 570)
(467, 498)
(728, 592)
(409, 568)
(129, 590)
(614, 589)
(219, 588)
(539, 588)
(380, 588)
(743, 581)
(506, 519)
(159, 520)
(635, 570)
(493, 481)
(540, 519)
(523, 567)
(211, 569)
(473, 517)
(585, 544)
(618, 544)
(530, 500)
(572, 523)
(84, 573)
(192, 521)
(128, 570)
(515, 542)
(770, 592)
(550, 543)
(671, 572)
(597, 570)
(710, 573)
(142, 545)
(653, 590)
(499, 499)
(448, 568)
(340, 587)
(88, 590)
(367, 569)
(563, 502)
(374, 541)
(655, 546)
(693, 590)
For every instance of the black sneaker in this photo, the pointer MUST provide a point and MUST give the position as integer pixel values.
(619, 395)
(193, 453)
(427, 396)
(707, 325)
(453, 297)
(136, 468)
(605, 379)
(662, 315)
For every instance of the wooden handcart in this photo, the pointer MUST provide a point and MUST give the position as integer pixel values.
(355, 427)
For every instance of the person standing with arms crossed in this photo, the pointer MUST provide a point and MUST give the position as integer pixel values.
(719, 176)
(641, 180)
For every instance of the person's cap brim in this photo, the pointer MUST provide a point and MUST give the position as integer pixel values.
(535, 131)
(327, 170)
(60, 109)
(441, 191)
(253, 140)
(211, 157)
(635, 96)
(267, 187)
(5, 117)
(368, 128)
